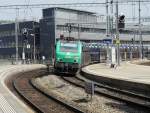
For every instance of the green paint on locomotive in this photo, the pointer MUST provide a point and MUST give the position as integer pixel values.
(68, 52)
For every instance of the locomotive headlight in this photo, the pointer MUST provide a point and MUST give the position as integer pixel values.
(76, 59)
(59, 59)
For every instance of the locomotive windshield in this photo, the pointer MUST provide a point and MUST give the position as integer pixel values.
(69, 46)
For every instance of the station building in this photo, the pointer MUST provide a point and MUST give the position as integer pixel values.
(8, 41)
(56, 21)
(85, 26)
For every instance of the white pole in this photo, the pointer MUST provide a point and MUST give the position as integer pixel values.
(34, 56)
(140, 33)
(34, 48)
(78, 31)
(16, 33)
(33, 43)
(107, 18)
(117, 36)
(111, 19)
(107, 32)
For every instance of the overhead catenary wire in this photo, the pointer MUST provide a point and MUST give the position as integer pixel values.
(30, 7)
(25, 9)
(70, 4)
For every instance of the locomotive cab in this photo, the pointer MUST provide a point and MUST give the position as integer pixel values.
(68, 56)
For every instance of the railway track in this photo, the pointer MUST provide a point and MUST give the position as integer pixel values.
(40, 102)
(128, 97)
(43, 103)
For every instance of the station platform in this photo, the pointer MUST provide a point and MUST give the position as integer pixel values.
(9, 103)
(128, 76)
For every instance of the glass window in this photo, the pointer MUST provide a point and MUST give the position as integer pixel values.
(69, 47)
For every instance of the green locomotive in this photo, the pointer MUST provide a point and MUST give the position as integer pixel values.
(68, 56)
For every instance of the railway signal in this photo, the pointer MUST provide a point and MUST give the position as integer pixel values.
(25, 33)
(121, 22)
(61, 37)
(69, 28)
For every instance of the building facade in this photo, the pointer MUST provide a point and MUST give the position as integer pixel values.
(85, 26)
(8, 41)
(56, 21)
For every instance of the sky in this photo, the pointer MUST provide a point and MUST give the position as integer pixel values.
(129, 10)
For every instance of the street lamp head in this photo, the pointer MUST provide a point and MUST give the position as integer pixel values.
(32, 34)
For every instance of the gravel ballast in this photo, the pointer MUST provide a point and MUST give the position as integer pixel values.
(75, 96)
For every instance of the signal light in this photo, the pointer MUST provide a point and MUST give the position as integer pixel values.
(25, 33)
(61, 37)
(69, 28)
(121, 22)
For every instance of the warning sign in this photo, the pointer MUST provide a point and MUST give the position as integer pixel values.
(89, 88)
(117, 41)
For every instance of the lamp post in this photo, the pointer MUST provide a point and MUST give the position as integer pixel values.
(16, 33)
(25, 40)
(1, 43)
(33, 47)
(79, 32)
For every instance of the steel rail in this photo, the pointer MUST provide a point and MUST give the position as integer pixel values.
(41, 102)
(125, 96)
